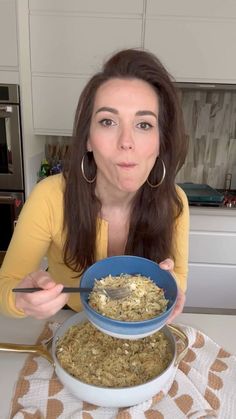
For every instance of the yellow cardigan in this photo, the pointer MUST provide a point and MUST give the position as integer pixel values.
(38, 233)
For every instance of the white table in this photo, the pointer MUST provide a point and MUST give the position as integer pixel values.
(220, 328)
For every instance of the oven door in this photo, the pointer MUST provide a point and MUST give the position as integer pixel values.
(11, 170)
(11, 204)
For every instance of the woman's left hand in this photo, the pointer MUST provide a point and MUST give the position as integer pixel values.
(168, 265)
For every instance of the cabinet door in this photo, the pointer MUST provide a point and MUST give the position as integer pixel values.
(194, 49)
(77, 44)
(211, 286)
(8, 38)
(200, 8)
(54, 103)
(212, 219)
(88, 6)
(212, 247)
(212, 236)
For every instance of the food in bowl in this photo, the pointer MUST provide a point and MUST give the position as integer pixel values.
(102, 360)
(130, 265)
(146, 300)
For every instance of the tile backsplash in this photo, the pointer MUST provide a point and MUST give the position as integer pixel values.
(210, 123)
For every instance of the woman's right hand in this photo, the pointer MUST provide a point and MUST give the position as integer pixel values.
(40, 304)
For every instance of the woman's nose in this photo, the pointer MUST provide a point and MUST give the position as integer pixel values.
(126, 141)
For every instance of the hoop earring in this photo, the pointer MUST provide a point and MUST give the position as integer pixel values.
(82, 169)
(163, 175)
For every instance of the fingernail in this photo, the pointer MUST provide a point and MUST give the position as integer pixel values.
(60, 287)
(42, 282)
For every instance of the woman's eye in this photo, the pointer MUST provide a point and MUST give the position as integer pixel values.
(145, 125)
(107, 122)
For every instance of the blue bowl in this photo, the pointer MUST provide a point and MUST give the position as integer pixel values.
(117, 265)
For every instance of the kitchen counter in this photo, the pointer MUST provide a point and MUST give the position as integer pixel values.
(219, 327)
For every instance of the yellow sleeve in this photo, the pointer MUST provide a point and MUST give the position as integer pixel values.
(29, 244)
(180, 247)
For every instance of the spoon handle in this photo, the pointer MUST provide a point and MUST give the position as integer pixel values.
(65, 289)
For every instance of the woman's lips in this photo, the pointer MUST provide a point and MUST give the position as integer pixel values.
(124, 165)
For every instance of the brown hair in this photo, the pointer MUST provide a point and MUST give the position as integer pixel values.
(154, 210)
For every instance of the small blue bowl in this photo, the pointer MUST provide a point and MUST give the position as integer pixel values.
(117, 265)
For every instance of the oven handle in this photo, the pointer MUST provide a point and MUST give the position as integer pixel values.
(7, 199)
(5, 110)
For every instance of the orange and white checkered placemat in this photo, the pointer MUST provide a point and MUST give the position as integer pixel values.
(204, 386)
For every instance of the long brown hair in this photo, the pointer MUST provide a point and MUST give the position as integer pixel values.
(154, 210)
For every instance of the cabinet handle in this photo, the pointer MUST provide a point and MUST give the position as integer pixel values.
(7, 199)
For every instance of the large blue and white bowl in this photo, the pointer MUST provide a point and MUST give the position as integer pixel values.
(115, 266)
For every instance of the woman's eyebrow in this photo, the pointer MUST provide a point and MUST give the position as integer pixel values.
(143, 113)
(115, 111)
(107, 109)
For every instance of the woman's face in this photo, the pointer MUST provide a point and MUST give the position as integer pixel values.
(124, 133)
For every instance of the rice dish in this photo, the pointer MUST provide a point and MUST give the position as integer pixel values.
(146, 300)
(102, 360)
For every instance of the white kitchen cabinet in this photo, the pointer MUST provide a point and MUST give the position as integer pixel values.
(200, 8)
(69, 41)
(88, 6)
(195, 40)
(70, 45)
(54, 103)
(212, 258)
(8, 42)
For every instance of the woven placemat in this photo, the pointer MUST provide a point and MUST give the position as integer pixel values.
(203, 386)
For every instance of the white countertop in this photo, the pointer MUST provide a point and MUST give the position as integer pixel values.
(219, 327)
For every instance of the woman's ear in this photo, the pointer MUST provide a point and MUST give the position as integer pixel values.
(89, 148)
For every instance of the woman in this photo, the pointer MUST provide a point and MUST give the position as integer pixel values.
(117, 194)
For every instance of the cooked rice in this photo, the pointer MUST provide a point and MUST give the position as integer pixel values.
(146, 300)
(102, 360)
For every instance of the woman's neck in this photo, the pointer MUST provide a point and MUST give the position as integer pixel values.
(114, 199)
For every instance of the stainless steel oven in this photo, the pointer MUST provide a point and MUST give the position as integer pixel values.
(11, 204)
(11, 163)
